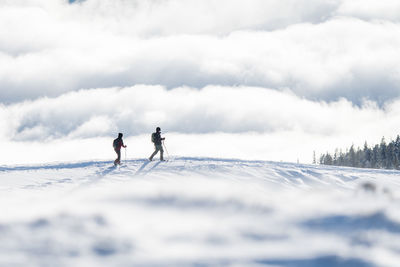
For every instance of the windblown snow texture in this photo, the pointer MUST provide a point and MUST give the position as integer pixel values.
(198, 212)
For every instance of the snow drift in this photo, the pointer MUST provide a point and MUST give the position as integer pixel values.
(198, 212)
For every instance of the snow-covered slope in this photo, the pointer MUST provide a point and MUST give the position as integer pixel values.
(198, 212)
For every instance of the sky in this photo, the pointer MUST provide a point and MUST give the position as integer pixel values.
(255, 79)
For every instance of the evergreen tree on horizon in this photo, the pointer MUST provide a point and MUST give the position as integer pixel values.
(380, 156)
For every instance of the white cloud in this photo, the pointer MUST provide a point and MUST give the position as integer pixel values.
(171, 17)
(342, 57)
(138, 109)
(58, 47)
(371, 10)
(99, 125)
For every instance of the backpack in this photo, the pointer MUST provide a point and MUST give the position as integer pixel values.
(115, 143)
(153, 137)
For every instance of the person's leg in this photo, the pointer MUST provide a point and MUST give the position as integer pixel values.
(118, 160)
(154, 153)
(161, 152)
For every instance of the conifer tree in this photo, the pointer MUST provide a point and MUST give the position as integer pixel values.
(383, 155)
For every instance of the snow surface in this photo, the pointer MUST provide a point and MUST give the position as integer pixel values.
(198, 212)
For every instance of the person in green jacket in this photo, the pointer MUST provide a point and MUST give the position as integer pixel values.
(157, 140)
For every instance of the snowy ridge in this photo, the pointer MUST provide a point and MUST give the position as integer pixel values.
(198, 212)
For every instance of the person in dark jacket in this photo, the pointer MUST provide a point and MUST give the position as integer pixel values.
(117, 144)
(157, 140)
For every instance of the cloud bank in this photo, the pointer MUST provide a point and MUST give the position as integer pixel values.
(321, 50)
(139, 109)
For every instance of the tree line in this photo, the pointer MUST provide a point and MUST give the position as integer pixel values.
(380, 156)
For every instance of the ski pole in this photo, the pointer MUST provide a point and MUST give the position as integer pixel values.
(125, 155)
(166, 150)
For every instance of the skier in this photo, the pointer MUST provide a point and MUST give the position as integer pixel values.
(156, 139)
(117, 144)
